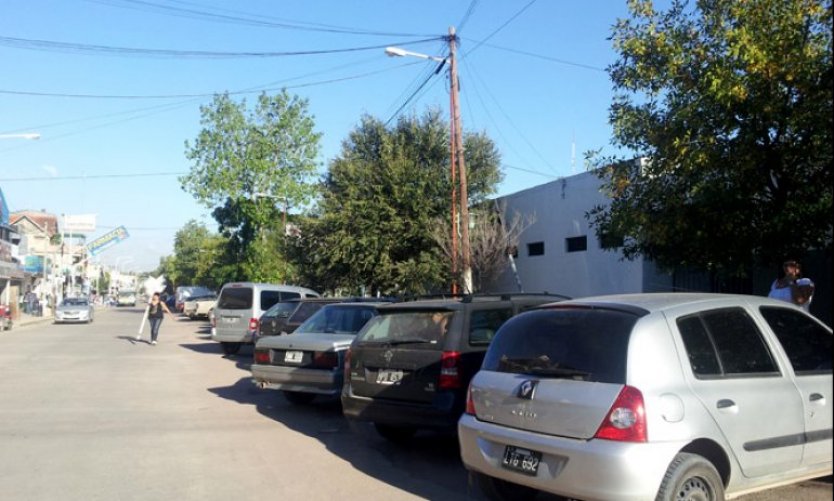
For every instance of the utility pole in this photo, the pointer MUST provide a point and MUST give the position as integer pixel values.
(454, 178)
(458, 152)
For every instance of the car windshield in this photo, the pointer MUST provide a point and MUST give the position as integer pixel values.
(407, 327)
(73, 301)
(337, 319)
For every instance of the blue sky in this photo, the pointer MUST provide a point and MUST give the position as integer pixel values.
(536, 86)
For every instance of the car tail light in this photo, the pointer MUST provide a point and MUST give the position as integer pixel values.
(261, 356)
(470, 404)
(325, 359)
(449, 370)
(626, 421)
(253, 324)
(347, 366)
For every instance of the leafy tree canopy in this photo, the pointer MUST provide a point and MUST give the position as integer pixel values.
(730, 103)
(381, 198)
(245, 162)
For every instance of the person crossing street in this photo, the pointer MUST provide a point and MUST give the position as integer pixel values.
(156, 312)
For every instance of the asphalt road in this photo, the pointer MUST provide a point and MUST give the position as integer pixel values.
(87, 413)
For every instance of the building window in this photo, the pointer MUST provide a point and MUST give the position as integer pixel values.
(535, 249)
(576, 244)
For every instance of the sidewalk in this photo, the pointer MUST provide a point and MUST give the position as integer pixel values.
(26, 319)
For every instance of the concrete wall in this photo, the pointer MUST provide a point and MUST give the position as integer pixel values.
(559, 209)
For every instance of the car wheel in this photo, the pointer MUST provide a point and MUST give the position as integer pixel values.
(299, 398)
(230, 348)
(690, 477)
(396, 434)
(500, 490)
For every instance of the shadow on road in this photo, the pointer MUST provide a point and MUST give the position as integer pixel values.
(428, 467)
(133, 340)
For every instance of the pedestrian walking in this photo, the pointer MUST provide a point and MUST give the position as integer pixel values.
(792, 287)
(156, 311)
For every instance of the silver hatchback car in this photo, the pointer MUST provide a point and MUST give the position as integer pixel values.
(651, 396)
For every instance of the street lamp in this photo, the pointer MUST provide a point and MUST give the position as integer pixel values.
(28, 135)
(456, 154)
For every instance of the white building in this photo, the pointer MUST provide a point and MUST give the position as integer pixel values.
(560, 253)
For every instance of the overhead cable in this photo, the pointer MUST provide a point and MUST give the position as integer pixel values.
(71, 47)
(508, 21)
(540, 56)
(253, 19)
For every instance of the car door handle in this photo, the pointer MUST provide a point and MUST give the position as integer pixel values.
(816, 397)
(725, 403)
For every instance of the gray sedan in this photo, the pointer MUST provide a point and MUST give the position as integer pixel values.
(74, 309)
(310, 361)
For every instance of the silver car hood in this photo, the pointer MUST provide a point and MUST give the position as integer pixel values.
(307, 341)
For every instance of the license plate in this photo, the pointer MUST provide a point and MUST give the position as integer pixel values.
(521, 460)
(294, 356)
(229, 320)
(386, 376)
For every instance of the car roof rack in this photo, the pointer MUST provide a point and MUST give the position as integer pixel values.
(506, 296)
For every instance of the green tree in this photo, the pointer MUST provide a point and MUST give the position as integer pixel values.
(245, 159)
(381, 198)
(729, 103)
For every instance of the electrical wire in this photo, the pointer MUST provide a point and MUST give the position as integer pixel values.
(509, 120)
(428, 68)
(88, 177)
(411, 97)
(80, 48)
(540, 56)
(508, 21)
(252, 19)
(467, 15)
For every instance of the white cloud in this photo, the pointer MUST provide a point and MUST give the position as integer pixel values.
(51, 170)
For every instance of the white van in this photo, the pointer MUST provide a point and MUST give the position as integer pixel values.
(241, 304)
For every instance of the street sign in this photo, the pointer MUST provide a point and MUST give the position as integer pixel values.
(107, 240)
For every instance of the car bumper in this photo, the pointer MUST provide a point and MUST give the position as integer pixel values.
(70, 320)
(231, 337)
(323, 382)
(441, 414)
(585, 469)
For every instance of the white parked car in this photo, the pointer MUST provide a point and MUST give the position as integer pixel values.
(199, 307)
(651, 396)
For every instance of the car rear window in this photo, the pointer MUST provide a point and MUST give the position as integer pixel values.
(305, 311)
(408, 327)
(281, 309)
(235, 298)
(583, 344)
(483, 325)
(336, 319)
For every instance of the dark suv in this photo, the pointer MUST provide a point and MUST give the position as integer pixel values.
(409, 367)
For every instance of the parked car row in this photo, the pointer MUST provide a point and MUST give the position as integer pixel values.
(644, 396)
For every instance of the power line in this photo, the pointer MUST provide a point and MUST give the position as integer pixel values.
(507, 116)
(94, 176)
(540, 56)
(250, 20)
(467, 15)
(413, 94)
(76, 48)
(204, 95)
(508, 21)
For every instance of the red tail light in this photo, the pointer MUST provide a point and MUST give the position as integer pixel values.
(626, 421)
(470, 404)
(261, 356)
(347, 366)
(253, 324)
(449, 370)
(325, 359)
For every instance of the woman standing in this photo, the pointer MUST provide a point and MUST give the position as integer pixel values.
(156, 310)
